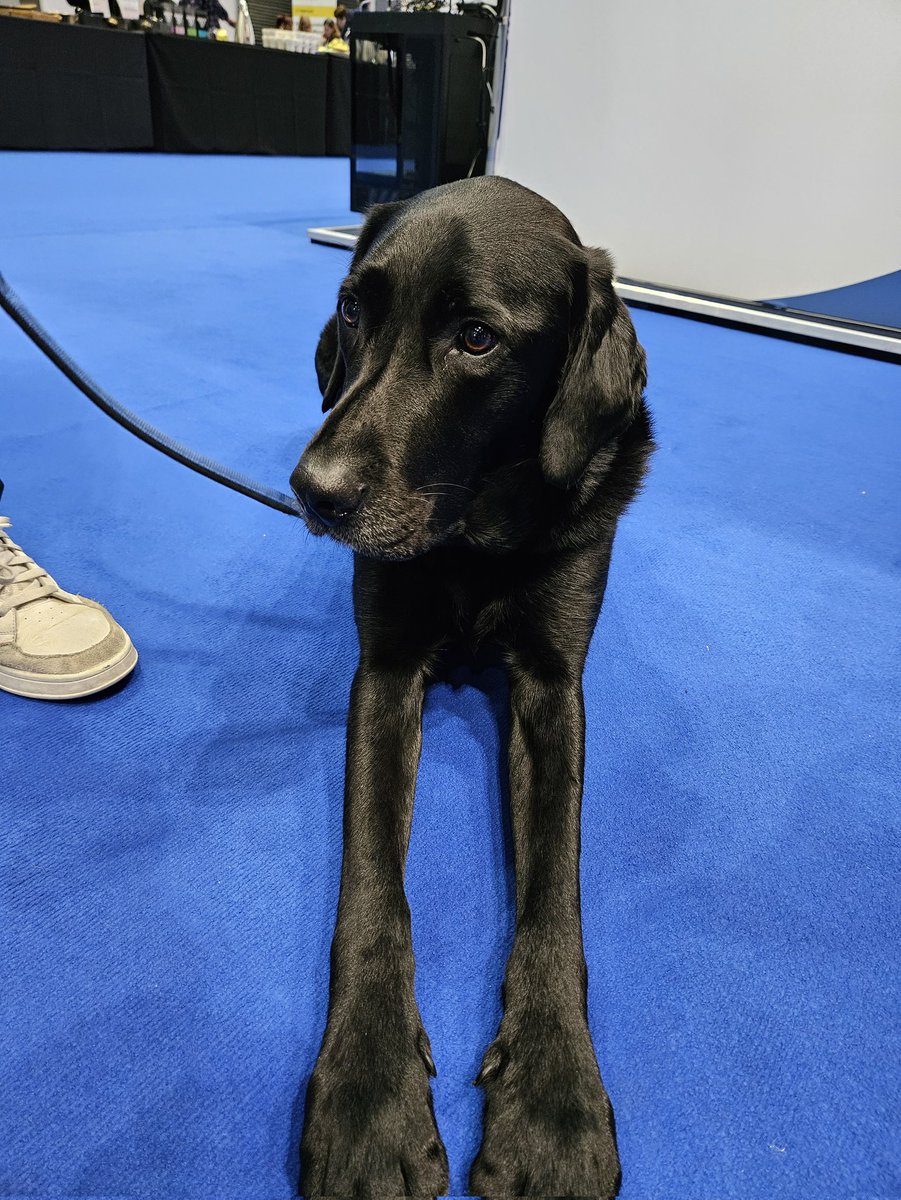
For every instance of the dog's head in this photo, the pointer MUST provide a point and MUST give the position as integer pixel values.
(473, 333)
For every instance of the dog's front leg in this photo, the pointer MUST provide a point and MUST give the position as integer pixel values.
(369, 1128)
(548, 1124)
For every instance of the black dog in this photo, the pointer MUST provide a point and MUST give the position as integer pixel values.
(487, 429)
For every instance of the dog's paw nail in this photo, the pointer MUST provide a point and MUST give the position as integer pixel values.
(491, 1064)
(426, 1051)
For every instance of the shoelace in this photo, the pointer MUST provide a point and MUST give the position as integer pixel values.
(21, 579)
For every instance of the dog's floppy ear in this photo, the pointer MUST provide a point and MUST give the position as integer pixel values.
(329, 364)
(329, 360)
(602, 379)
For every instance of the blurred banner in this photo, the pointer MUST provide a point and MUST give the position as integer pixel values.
(316, 12)
(750, 151)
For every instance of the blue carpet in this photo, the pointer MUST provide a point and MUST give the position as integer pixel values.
(171, 851)
(877, 301)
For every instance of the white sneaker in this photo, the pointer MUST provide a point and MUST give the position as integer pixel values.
(53, 645)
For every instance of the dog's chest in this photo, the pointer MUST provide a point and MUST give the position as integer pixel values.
(479, 596)
(480, 609)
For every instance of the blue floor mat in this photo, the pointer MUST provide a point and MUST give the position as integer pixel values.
(170, 852)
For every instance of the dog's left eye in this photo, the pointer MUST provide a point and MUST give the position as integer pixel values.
(476, 338)
(350, 310)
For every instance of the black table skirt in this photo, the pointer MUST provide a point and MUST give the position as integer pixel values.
(237, 99)
(337, 106)
(66, 87)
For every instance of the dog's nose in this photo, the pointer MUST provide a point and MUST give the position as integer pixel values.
(330, 491)
(334, 507)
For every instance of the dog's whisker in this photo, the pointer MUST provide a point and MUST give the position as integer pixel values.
(463, 486)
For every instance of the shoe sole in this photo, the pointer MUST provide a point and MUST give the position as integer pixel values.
(68, 687)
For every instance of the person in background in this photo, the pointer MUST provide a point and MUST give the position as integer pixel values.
(341, 22)
(306, 25)
(332, 41)
(216, 15)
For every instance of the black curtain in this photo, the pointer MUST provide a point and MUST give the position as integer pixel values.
(210, 98)
(65, 87)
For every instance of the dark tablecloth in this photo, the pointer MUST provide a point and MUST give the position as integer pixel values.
(66, 87)
(240, 99)
(337, 106)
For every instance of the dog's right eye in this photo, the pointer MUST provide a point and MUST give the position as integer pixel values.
(476, 338)
(350, 310)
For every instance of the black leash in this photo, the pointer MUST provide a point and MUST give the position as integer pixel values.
(10, 303)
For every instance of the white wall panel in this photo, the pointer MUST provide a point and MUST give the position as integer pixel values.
(747, 148)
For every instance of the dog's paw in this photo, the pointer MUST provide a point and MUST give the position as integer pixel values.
(548, 1124)
(370, 1127)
